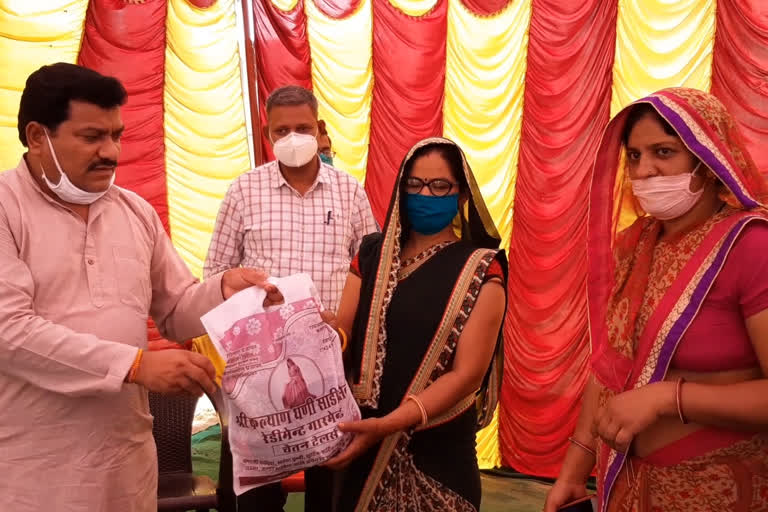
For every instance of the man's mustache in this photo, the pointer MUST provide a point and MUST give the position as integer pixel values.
(102, 163)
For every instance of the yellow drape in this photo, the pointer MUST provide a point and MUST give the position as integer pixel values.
(342, 79)
(662, 43)
(485, 74)
(204, 345)
(32, 33)
(414, 8)
(283, 5)
(488, 453)
(205, 132)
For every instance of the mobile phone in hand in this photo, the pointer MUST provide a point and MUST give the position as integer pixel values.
(586, 504)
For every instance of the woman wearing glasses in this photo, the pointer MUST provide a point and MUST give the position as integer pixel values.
(423, 307)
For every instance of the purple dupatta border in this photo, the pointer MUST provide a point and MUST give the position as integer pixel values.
(675, 335)
(703, 152)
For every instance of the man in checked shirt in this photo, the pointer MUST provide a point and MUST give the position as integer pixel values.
(295, 214)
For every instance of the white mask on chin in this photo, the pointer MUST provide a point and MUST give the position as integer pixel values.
(296, 149)
(667, 197)
(65, 189)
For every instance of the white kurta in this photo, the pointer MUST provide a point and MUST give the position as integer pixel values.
(74, 302)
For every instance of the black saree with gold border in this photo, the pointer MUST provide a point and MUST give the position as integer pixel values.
(404, 338)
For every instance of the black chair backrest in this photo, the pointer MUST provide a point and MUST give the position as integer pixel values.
(172, 430)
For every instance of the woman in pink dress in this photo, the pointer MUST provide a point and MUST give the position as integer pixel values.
(296, 392)
(674, 416)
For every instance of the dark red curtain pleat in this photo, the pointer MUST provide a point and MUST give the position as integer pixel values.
(566, 107)
(740, 70)
(487, 7)
(408, 90)
(337, 9)
(282, 54)
(129, 44)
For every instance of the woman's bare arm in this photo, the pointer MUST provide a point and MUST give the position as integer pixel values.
(578, 462)
(350, 297)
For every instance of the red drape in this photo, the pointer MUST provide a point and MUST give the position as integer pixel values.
(337, 9)
(128, 42)
(740, 70)
(566, 107)
(202, 4)
(409, 82)
(282, 54)
(486, 7)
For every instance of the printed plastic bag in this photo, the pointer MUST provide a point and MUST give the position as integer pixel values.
(283, 382)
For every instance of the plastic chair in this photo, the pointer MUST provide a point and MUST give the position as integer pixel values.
(178, 488)
(294, 483)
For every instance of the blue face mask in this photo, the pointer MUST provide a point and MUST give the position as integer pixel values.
(431, 214)
(326, 159)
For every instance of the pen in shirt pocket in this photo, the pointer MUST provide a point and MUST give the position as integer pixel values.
(328, 219)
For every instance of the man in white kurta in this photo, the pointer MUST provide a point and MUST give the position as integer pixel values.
(77, 282)
(74, 298)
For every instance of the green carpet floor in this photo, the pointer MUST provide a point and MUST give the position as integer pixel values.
(500, 493)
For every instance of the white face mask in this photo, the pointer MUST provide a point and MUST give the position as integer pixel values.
(667, 197)
(296, 149)
(65, 189)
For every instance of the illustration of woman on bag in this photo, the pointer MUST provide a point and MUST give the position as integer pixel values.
(296, 392)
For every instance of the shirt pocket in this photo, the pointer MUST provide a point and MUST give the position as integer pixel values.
(133, 282)
(333, 237)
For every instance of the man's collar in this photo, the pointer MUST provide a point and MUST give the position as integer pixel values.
(277, 179)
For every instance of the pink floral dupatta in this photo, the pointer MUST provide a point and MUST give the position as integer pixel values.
(631, 349)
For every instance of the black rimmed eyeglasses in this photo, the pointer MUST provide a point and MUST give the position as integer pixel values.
(439, 187)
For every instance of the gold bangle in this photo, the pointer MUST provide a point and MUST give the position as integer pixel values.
(135, 366)
(344, 339)
(422, 409)
(679, 401)
(583, 446)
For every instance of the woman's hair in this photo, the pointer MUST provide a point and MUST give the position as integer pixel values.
(451, 154)
(639, 111)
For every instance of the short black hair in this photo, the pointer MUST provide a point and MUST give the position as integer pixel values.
(638, 112)
(49, 90)
(291, 96)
